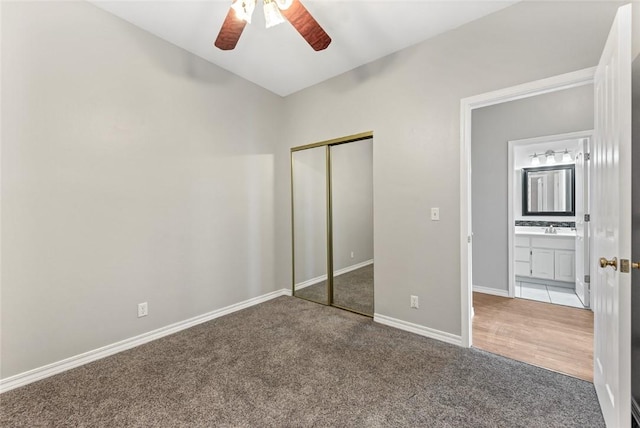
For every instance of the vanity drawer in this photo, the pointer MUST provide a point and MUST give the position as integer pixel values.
(554, 242)
(522, 241)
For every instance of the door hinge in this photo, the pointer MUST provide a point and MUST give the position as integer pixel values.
(587, 156)
(587, 217)
(469, 239)
(587, 279)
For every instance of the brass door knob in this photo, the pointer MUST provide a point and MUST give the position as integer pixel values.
(635, 265)
(613, 263)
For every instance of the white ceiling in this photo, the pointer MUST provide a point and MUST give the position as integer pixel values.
(278, 58)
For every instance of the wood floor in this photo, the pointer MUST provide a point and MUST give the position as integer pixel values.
(555, 337)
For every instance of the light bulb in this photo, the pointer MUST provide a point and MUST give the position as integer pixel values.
(535, 160)
(551, 157)
(272, 15)
(284, 4)
(566, 157)
(244, 9)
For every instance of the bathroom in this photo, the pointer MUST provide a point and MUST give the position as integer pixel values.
(548, 242)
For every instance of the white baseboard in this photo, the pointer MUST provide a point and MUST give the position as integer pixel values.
(39, 373)
(352, 267)
(418, 329)
(310, 282)
(488, 290)
(322, 278)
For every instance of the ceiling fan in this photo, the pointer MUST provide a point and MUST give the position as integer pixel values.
(275, 12)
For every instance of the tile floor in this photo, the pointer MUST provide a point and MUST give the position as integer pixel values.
(548, 293)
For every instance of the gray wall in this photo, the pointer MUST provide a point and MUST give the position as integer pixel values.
(492, 128)
(411, 101)
(125, 178)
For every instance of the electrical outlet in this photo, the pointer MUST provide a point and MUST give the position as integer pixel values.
(435, 214)
(143, 309)
(414, 302)
(352, 254)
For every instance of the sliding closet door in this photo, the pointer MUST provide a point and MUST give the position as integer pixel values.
(309, 190)
(352, 225)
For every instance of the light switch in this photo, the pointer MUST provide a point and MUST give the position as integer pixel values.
(435, 214)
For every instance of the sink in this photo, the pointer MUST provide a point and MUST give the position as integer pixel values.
(542, 231)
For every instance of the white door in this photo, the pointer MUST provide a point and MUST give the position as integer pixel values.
(582, 227)
(611, 223)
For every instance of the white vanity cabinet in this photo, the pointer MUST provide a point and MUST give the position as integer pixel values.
(542, 263)
(523, 256)
(565, 265)
(545, 257)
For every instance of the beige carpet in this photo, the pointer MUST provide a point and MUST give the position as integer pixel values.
(293, 363)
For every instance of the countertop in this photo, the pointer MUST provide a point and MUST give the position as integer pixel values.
(561, 232)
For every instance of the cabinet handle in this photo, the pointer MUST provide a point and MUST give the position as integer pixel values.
(613, 263)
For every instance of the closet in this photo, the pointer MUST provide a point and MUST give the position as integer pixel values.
(332, 222)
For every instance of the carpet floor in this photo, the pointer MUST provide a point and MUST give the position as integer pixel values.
(352, 290)
(293, 363)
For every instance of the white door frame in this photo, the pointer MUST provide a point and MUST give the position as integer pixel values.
(510, 190)
(467, 105)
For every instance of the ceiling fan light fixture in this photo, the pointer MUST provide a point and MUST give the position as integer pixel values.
(275, 11)
(284, 4)
(272, 15)
(244, 9)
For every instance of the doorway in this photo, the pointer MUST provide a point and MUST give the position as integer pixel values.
(524, 197)
(469, 105)
(611, 211)
(548, 220)
(332, 223)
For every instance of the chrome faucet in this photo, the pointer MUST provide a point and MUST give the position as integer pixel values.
(550, 229)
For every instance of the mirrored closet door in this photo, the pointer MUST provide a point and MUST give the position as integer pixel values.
(332, 211)
(309, 167)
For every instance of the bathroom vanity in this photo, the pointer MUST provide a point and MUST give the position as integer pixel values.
(545, 256)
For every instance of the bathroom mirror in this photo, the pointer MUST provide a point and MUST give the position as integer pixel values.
(309, 187)
(548, 191)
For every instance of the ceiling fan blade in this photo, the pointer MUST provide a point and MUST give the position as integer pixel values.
(307, 26)
(230, 32)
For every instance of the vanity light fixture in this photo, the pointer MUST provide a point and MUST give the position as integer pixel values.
(535, 160)
(551, 157)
